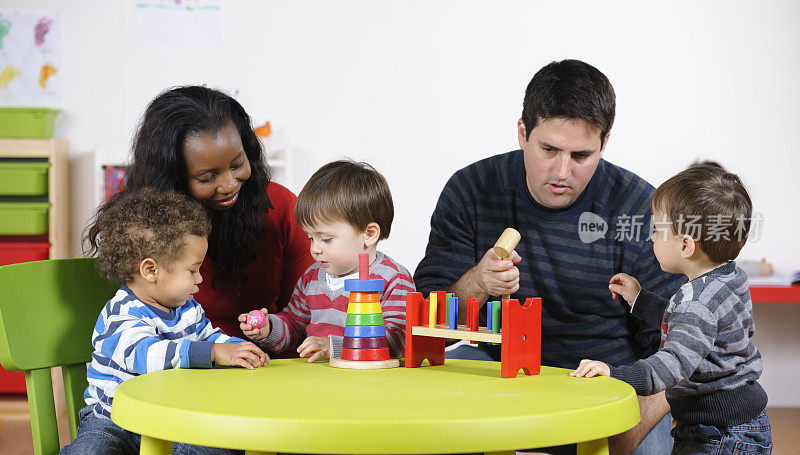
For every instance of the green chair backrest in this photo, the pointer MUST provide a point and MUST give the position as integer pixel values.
(48, 310)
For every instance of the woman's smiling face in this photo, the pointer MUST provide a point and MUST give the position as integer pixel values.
(216, 167)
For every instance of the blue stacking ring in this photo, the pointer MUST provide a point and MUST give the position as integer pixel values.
(375, 285)
(362, 331)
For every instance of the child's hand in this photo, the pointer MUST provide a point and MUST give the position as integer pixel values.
(589, 368)
(245, 355)
(624, 285)
(250, 331)
(320, 347)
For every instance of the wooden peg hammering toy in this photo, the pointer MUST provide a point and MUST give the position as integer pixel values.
(517, 328)
(505, 246)
(520, 332)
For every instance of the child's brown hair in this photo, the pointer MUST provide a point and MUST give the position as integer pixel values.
(146, 223)
(345, 190)
(710, 198)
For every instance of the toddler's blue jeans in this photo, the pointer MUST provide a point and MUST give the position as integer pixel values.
(97, 436)
(753, 437)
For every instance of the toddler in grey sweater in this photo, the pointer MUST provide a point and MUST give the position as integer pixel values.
(706, 362)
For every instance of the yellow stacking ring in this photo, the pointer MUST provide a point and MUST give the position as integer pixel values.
(364, 308)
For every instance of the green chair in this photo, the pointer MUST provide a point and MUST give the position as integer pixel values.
(48, 310)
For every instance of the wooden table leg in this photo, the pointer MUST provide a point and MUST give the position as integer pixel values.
(153, 446)
(596, 447)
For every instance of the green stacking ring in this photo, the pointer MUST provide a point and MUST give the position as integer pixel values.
(365, 319)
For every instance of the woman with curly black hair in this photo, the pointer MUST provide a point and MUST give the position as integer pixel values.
(200, 142)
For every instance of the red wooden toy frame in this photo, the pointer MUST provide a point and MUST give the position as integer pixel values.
(520, 337)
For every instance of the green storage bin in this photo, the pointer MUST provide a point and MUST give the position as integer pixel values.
(23, 218)
(23, 178)
(27, 121)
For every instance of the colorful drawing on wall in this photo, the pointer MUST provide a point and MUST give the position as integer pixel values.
(29, 58)
(177, 24)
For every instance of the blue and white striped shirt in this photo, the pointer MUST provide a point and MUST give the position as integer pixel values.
(132, 338)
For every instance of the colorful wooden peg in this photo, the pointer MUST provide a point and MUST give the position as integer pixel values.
(489, 316)
(472, 316)
(363, 266)
(495, 327)
(452, 312)
(447, 310)
(493, 317)
(433, 310)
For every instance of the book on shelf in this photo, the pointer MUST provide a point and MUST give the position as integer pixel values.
(115, 179)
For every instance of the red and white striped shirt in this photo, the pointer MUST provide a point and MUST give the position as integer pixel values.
(316, 309)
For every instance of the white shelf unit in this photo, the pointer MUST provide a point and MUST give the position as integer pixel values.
(279, 160)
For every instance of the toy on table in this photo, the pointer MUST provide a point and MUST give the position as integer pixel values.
(365, 345)
(520, 338)
(256, 319)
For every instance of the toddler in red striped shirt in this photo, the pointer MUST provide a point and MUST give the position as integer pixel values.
(345, 208)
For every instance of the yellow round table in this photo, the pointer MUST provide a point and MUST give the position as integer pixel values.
(293, 406)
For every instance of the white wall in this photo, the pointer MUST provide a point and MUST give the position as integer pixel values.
(423, 88)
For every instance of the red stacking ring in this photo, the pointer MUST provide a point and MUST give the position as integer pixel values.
(365, 354)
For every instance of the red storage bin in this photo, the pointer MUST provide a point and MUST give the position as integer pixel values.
(12, 252)
(12, 382)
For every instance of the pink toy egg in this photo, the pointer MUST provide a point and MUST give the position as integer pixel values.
(256, 319)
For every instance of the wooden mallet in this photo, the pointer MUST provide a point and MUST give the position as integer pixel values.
(505, 246)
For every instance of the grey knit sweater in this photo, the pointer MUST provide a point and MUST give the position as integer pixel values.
(706, 362)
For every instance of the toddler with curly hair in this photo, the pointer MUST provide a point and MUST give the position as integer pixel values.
(154, 243)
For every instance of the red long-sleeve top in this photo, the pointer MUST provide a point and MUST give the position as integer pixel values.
(283, 256)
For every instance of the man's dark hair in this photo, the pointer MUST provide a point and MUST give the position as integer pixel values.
(569, 89)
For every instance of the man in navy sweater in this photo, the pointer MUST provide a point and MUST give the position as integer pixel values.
(582, 221)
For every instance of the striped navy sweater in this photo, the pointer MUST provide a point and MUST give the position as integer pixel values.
(706, 362)
(132, 338)
(579, 317)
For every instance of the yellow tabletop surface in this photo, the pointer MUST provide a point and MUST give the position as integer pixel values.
(293, 406)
